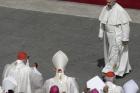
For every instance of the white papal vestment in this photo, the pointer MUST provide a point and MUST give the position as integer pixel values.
(114, 28)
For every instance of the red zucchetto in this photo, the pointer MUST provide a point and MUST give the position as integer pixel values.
(110, 74)
(22, 55)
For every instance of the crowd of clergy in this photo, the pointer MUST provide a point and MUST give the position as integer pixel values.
(19, 77)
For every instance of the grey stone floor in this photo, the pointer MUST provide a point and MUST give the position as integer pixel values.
(43, 34)
(64, 7)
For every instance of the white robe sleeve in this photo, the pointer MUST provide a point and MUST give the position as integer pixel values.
(24, 81)
(125, 32)
(46, 87)
(74, 86)
(36, 78)
(7, 69)
(101, 31)
(36, 82)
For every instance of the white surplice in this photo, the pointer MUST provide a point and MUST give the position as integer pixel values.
(114, 88)
(67, 85)
(9, 83)
(21, 73)
(7, 69)
(36, 81)
(114, 28)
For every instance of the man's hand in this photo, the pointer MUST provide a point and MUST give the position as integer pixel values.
(125, 43)
(28, 57)
(105, 90)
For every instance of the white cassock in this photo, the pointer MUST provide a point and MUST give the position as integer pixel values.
(114, 28)
(65, 84)
(114, 88)
(21, 73)
(36, 81)
(1, 90)
(131, 87)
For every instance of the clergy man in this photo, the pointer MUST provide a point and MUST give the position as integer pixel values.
(20, 72)
(65, 84)
(114, 29)
(110, 87)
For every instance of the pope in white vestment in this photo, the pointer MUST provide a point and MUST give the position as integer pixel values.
(114, 29)
(20, 72)
(65, 84)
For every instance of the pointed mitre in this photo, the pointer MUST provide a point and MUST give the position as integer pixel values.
(60, 60)
(131, 87)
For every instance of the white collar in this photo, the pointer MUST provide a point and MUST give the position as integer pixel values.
(19, 61)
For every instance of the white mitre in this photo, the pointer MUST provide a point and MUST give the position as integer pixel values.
(131, 87)
(9, 83)
(60, 60)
